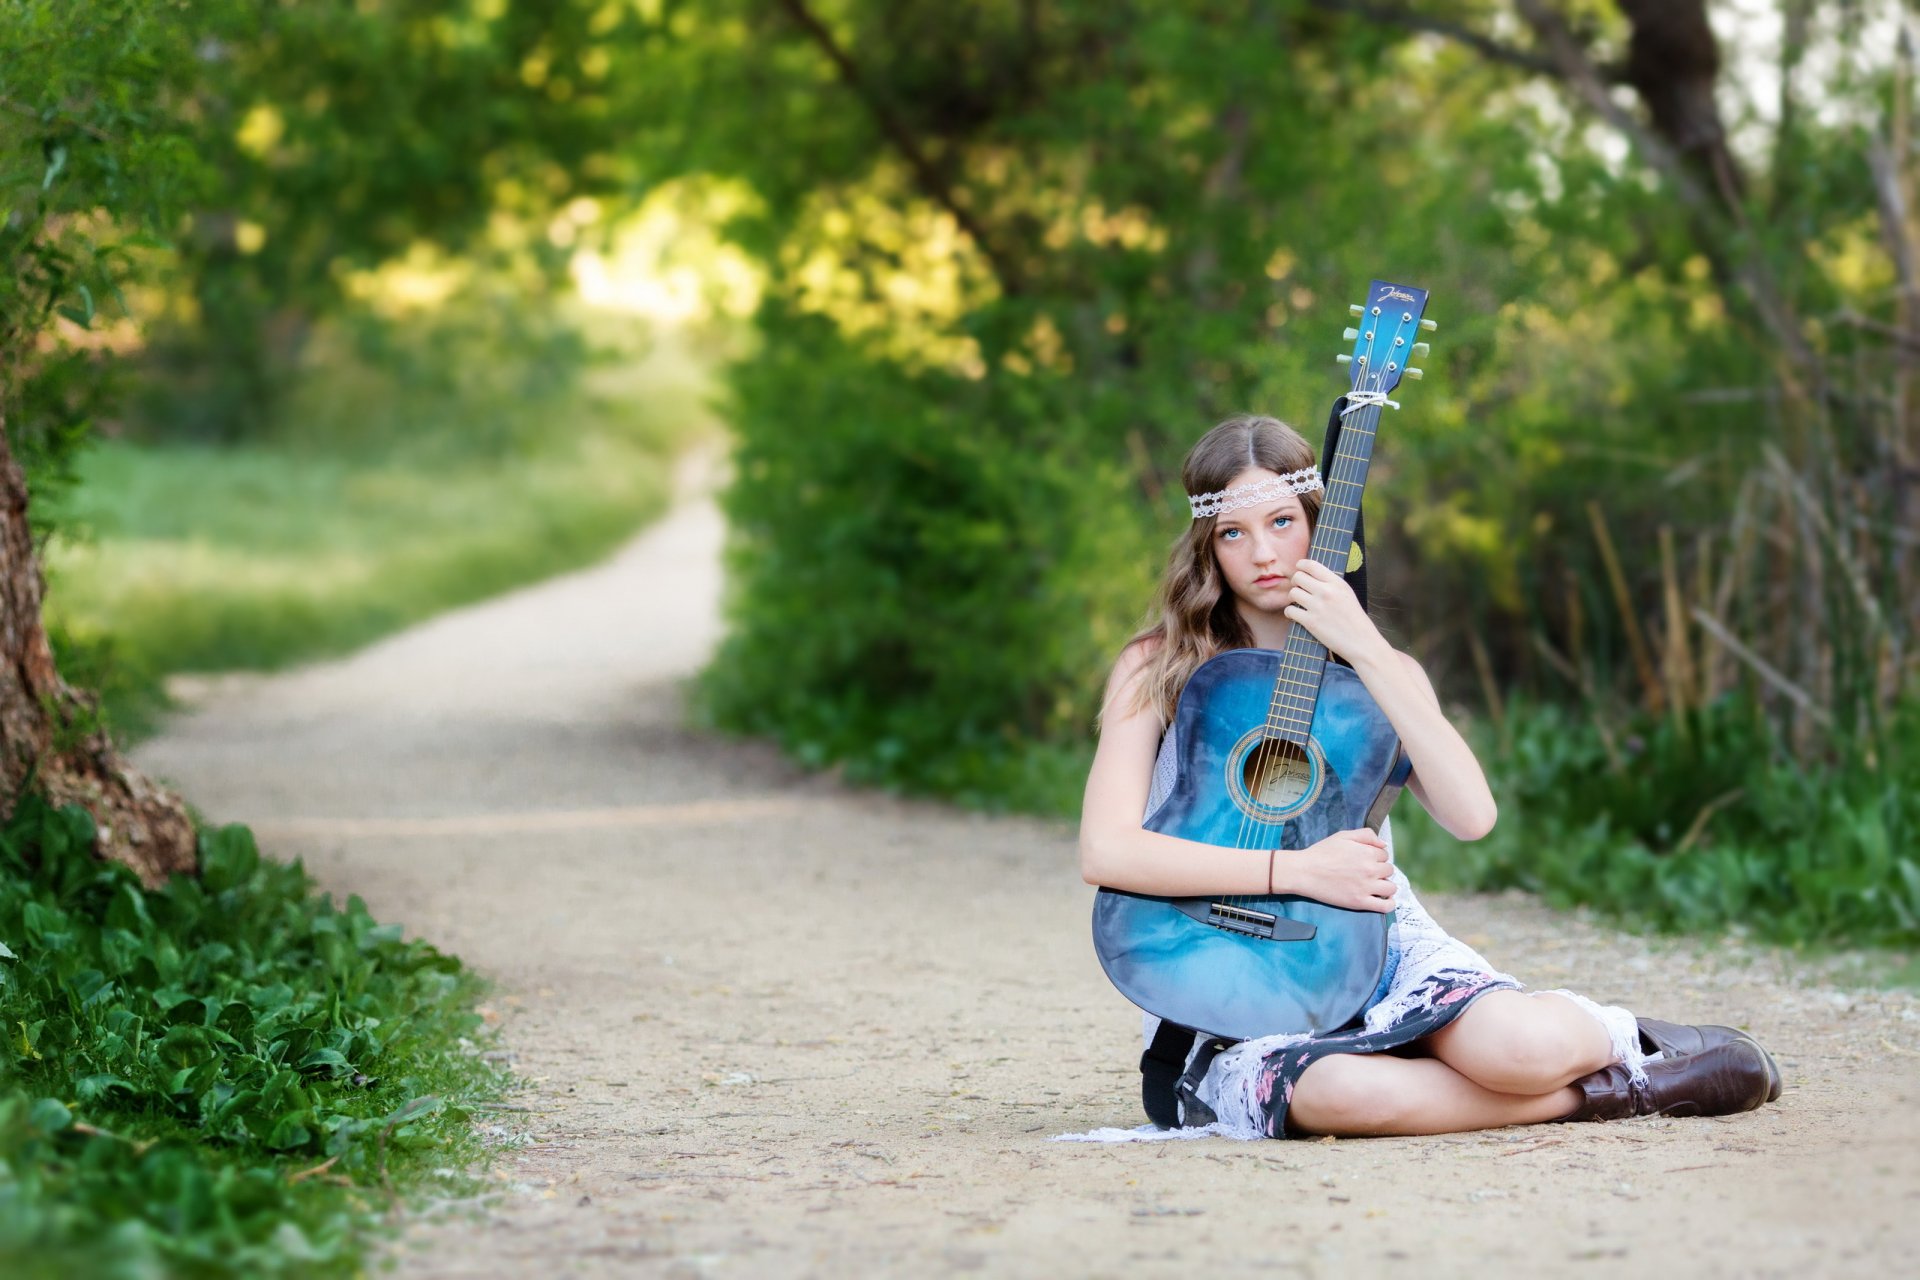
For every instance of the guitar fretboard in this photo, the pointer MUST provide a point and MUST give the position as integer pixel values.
(1304, 659)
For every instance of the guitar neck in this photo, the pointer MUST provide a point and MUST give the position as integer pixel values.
(1297, 690)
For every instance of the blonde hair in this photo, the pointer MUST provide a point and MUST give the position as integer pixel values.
(1193, 615)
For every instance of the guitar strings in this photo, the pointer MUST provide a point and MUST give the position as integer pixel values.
(1300, 657)
(1295, 662)
(1267, 746)
(1301, 662)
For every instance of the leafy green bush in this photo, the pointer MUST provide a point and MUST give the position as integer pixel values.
(913, 594)
(1699, 822)
(178, 1065)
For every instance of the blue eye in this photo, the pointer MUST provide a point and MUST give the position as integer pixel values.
(1229, 533)
(1283, 519)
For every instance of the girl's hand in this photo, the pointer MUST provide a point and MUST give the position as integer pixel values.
(1347, 869)
(1322, 602)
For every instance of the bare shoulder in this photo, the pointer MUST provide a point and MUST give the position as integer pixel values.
(1128, 669)
(1133, 659)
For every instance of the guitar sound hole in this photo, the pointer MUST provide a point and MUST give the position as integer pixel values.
(1277, 773)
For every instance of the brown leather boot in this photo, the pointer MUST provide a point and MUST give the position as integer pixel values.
(1677, 1040)
(1716, 1081)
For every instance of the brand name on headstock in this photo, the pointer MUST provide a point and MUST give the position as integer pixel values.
(1399, 295)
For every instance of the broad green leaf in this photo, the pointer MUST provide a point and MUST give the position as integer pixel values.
(414, 1109)
(51, 1115)
(290, 1131)
(88, 1088)
(327, 1060)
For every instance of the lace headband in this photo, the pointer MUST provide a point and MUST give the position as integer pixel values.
(1305, 480)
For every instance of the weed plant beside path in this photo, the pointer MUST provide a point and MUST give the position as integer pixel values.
(230, 1076)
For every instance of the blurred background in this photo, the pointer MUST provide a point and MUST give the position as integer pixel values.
(321, 317)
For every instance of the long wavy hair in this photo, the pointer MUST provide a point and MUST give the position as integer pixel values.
(1193, 615)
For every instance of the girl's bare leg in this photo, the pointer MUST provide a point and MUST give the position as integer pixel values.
(1509, 1059)
(1523, 1042)
(1363, 1095)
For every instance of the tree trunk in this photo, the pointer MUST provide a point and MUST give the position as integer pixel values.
(1672, 63)
(49, 736)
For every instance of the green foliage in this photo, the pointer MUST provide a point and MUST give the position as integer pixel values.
(342, 136)
(1702, 822)
(96, 163)
(247, 159)
(172, 1058)
(964, 552)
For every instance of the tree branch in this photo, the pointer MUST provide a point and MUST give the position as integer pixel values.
(21, 108)
(1793, 45)
(926, 176)
(1886, 158)
(1486, 46)
(1707, 214)
(1673, 62)
(1565, 60)
(1889, 199)
(1578, 71)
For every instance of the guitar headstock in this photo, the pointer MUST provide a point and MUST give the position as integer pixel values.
(1383, 342)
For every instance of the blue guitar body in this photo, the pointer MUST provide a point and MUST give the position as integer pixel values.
(1248, 966)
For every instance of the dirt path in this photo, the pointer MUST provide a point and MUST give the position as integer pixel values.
(771, 1026)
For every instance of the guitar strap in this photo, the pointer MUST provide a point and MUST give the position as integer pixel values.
(1356, 574)
(1169, 1083)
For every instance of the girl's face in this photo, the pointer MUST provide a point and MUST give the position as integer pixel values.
(1258, 546)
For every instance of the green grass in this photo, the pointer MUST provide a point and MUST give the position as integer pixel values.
(183, 557)
(227, 1077)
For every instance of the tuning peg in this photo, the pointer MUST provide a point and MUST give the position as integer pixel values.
(1344, 358)
(1420, 350)
(1349, 334)
(1355, 309)
(1416, 374)
(1429, 325)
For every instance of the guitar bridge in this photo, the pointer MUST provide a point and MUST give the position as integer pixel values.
(1240, 919)
(1258, 924)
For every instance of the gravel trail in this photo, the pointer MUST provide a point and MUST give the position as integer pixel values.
(772, 1026)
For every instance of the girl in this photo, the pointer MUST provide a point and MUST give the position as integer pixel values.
(1446, 1042)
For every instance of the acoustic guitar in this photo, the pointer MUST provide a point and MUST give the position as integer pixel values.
(1278, 749)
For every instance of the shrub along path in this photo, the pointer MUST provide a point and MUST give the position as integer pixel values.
(768, 1025)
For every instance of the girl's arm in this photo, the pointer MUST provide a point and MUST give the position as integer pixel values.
(1447, 779)
(1348, 869)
